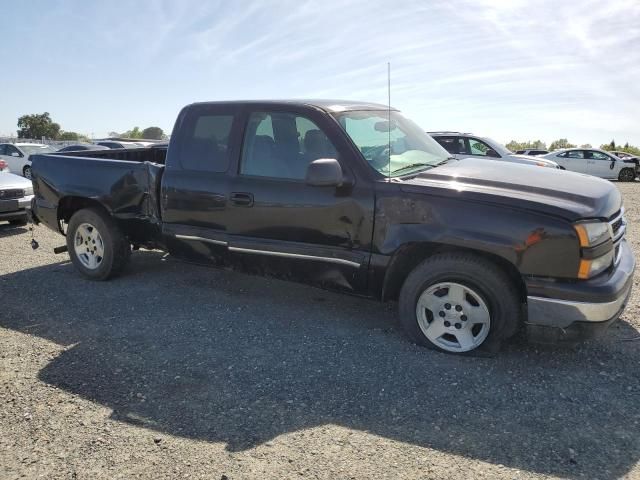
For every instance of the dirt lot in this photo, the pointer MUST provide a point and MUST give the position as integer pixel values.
(176, 371)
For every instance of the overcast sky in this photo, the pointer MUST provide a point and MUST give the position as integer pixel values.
(505, 69)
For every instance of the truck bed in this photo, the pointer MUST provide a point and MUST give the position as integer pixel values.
(128, 186)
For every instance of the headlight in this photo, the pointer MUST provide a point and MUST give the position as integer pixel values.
(591, 268)
(591, 234)
(28, 191)
(594, 234)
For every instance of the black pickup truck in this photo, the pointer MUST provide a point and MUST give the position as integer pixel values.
(353, 197)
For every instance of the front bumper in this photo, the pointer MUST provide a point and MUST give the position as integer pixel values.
(24, 204)
(579, 310)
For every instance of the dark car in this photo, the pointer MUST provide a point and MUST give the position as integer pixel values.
(82, 147)
(118, 145)
(352, 197)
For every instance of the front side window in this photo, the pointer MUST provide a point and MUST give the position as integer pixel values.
(478, 147)
(411, 148)
(205, 146)
(281, 145)
(600, 156)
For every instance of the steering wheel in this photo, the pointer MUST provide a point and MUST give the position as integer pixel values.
(378, 156)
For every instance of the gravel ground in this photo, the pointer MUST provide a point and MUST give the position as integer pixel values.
(178, 371)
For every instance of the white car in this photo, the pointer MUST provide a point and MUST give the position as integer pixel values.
(15, 198)
(17, 156)
(595, 162)
(467, 145)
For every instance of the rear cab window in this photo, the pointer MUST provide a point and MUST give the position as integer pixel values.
(205, 140)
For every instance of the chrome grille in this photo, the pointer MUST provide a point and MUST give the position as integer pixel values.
(618, 228)
(11, 194)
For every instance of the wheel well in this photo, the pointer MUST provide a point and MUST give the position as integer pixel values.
(409, 256)
(70, 205)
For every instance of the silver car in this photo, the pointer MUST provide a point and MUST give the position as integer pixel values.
(467, 145)
(15, 198)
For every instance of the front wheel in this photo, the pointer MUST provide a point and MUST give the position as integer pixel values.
(459, 302)
(627, 175)
(97, 247)
(26, 172)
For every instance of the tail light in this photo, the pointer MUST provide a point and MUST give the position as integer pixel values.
(3, 165)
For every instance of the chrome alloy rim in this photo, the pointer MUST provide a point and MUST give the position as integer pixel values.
(89, 246)
(453, 316)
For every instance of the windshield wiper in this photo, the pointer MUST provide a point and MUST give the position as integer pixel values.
(413, 165)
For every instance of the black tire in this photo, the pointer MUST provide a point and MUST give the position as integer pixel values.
(627, 175)
(117, 249)
(492, 284)
(26, 172)
(562, 168)
(19, 222)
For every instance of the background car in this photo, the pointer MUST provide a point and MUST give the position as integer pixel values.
(113, 144)
(81, 147)
(532, 152)
(596, 162)
(17, 156)
(467, 145)
(15, 197)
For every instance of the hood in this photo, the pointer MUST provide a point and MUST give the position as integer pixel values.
(9, 180)
(562, 193)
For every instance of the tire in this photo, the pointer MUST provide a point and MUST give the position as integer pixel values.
(97, 247)
(26, 172)
(490, 309)
(627, 175)
(562, 168)
(19, 222)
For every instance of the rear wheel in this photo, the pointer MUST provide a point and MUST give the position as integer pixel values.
(627, 175)
(458, 303)
(97, 247)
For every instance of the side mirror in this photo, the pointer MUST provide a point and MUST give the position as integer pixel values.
(324, 172)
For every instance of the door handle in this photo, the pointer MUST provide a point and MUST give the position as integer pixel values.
(242, 199)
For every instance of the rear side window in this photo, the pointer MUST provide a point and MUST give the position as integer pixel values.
(520, 152)
(575, 154)
(3, 149)
(205, 145)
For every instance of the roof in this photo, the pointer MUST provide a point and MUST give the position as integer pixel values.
(331, 106)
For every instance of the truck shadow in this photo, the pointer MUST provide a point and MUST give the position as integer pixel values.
(224, 357)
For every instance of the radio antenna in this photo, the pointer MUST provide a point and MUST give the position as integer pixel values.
(389, 114)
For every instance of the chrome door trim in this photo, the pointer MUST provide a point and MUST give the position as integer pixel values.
(201, 239)
(299, 256)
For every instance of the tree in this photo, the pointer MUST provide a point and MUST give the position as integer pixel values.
(561, 143)
(528, 145)
(68, 136)
(153, 133)
(135, 133)
(38, 126)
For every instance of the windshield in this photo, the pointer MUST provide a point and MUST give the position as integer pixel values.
(411, 148)
(36, 149)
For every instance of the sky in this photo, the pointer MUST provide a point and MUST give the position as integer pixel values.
(511, 69)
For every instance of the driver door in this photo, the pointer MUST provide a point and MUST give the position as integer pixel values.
(280, 225)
